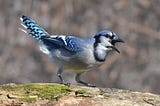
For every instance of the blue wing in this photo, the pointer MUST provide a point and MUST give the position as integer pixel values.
(33, 28)
(67, 42)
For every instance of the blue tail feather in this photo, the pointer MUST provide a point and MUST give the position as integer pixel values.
(33, 28)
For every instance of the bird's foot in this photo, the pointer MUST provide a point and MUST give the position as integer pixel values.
(91, 85)
(87, 84)
(77, 78)
(65, 83)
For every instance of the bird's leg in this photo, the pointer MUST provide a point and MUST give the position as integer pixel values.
(77, 78)
(59, 74)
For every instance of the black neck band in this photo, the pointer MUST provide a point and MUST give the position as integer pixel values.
(95, 46)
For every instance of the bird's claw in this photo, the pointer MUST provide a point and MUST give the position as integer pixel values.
(66, 83)
(91, 85)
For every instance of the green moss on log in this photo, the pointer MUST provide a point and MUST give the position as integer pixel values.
(34, 92)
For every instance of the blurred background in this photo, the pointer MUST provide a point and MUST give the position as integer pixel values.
(137, 22)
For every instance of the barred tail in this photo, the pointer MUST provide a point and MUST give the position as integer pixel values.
(32, 28)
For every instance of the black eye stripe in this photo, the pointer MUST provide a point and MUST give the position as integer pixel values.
(109, 36)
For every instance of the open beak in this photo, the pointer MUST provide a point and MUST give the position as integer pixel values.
(117, 39)
(114, 48)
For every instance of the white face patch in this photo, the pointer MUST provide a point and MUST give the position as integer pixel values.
(101, 47)
(105, 41)
(101, 52)
(110, 33)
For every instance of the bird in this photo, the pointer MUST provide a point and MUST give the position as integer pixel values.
(73, 53)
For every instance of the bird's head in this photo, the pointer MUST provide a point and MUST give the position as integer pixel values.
(107, 39)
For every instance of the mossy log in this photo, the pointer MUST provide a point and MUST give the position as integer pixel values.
(59, 95)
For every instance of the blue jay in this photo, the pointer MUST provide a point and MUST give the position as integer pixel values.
(70, 52)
